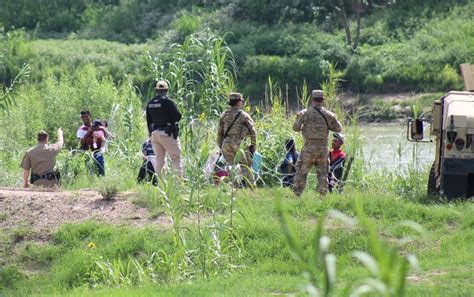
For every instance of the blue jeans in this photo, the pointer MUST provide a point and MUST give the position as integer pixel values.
(99, 162)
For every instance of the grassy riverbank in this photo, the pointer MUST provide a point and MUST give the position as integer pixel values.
(248, 256)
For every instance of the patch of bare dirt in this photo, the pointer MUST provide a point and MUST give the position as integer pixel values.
(43, 211)
(426, 277)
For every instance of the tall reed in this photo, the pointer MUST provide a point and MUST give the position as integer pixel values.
(201, 72)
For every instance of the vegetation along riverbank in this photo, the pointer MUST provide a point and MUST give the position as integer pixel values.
(376, 61)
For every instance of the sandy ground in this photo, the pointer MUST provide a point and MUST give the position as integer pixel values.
(43, 211)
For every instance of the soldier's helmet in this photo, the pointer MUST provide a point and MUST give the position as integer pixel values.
(317, 94)
(235, 96)
(161, 85)
(339, 136)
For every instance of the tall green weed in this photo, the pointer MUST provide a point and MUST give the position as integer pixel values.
(388, 270)
(201, 73)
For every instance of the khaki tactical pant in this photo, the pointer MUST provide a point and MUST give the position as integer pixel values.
(162, 144)
(312, 154)
(229, 151)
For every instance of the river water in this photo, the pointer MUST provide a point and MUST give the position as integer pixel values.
(385, 146)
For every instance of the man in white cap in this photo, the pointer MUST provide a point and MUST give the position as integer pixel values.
(162, 118)
(315, 122)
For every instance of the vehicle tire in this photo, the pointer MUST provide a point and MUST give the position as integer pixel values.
(432, 189)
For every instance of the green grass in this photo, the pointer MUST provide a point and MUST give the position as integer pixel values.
(65, 265)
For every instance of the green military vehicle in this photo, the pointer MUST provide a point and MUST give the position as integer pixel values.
(452, 127)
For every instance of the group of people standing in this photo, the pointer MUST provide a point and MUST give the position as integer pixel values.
(235, 125)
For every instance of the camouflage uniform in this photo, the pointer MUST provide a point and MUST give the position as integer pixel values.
(315, 123)
(243, 127)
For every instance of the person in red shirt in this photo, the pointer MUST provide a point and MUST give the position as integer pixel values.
(336, 161)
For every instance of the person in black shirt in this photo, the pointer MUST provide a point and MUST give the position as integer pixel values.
(162, 118)
(288, 166)
(148, 165)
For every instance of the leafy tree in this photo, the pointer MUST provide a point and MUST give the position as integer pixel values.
(356, 8)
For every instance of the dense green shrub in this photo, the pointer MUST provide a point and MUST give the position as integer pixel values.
(9, 275)
(15, 51)
(57, 16)
(278, 43)
(186, 24)
(425, 62)
(57, 103)
(375, 34)
(448, 79)
(271, 12)
(125, 21)
(110, 59)
(292, 71)
(406, 17)
(386, 61)
(129, 22)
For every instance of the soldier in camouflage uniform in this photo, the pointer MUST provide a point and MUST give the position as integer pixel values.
(315, 123)
(235, 125)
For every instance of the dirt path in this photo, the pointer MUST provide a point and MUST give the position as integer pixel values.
(43, 211)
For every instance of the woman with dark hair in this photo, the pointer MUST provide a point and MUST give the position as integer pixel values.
(287, 167)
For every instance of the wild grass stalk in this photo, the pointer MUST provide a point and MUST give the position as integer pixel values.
(175, 207)
(303, 94)
(388, 270)
(7, 95)
(320, 259)
(201, 72)
(331, 91)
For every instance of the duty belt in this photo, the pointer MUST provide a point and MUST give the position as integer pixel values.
(53, 175)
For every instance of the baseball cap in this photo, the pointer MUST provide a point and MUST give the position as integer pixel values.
(161, 85)
(339, 136)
